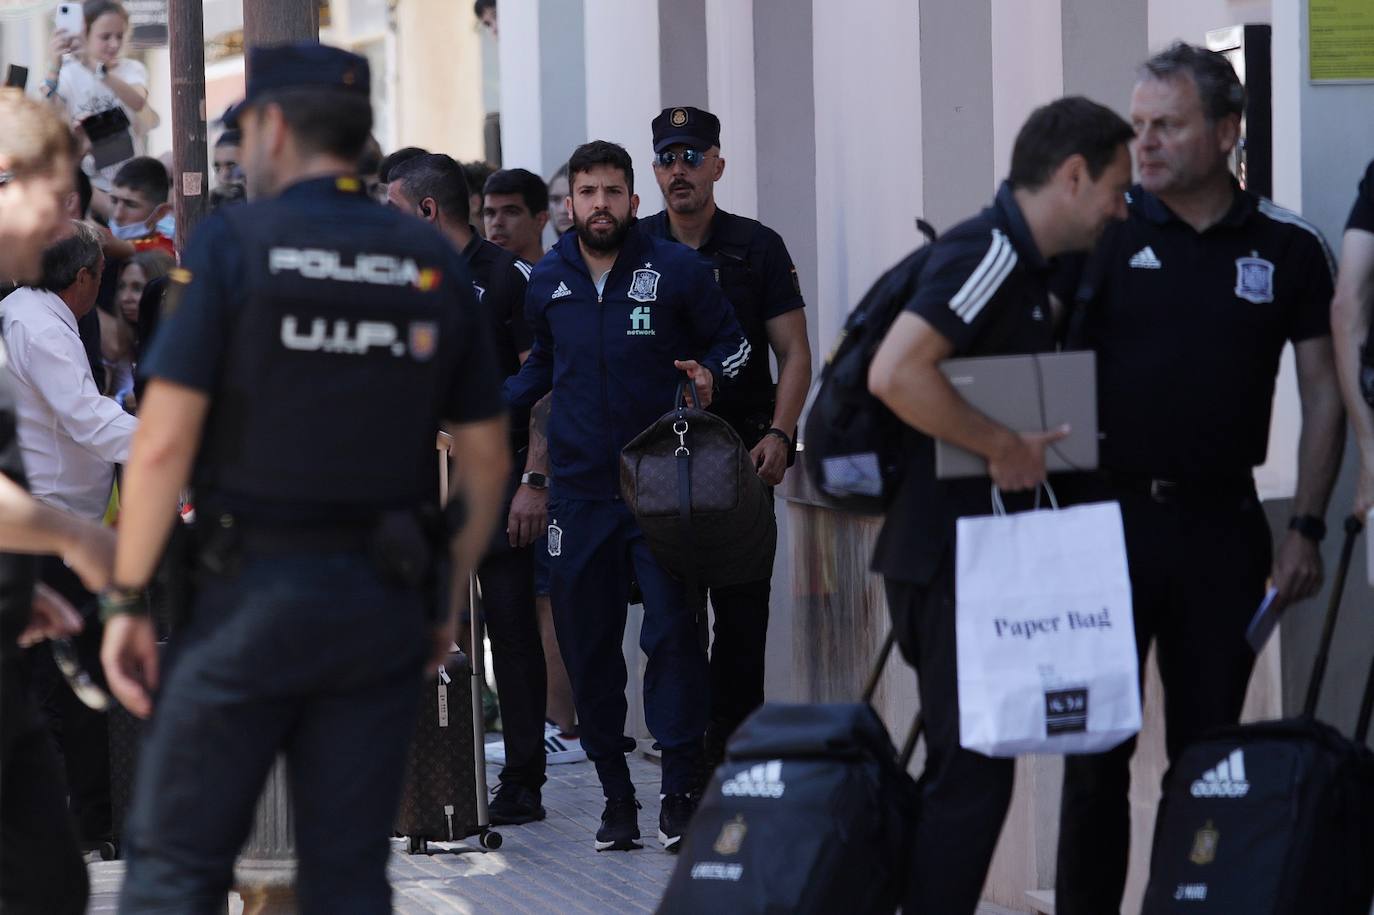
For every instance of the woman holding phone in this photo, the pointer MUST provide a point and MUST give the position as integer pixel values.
(88, 77)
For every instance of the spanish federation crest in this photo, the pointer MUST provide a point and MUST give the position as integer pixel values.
(731, 837)
(1255, 279)
(555, 538)
(644, 284)
(1205, 845)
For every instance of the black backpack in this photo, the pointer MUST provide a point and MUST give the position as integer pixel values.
(852, 443)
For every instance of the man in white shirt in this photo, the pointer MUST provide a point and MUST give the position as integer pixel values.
(71, 436)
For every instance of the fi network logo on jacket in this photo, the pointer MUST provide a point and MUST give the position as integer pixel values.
(641, 323)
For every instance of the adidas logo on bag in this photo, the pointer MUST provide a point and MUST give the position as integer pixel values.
(763, 780)
(1145, 259)
(1225, 779)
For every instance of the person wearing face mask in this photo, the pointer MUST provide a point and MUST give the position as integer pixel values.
(141, 214)
(88, 76)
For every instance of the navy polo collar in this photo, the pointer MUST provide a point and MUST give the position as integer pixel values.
(1243, 205)
(1015, 222)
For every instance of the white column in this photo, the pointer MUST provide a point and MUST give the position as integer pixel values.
(623, 83)
(868, 151)
(1027, 69)
(522, 109)
(730, 87)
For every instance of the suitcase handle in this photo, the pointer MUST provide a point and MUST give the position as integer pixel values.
(1353, 526)
(871, 686)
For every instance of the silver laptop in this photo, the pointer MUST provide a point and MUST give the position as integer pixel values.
(1030, 393)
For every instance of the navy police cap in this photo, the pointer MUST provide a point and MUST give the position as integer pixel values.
(690, 126)
(300, 65)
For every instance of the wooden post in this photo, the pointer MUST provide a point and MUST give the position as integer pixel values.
(190, 181)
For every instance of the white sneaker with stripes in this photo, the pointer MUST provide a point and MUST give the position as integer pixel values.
(558, 748)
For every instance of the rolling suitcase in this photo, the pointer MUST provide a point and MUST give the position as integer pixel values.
(444, 798)
(1271, 817)
(809, 813)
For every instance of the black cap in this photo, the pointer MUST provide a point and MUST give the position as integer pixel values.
(690, 126)
(300, 65)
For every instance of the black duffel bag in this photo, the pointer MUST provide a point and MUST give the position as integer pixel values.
(692, 486)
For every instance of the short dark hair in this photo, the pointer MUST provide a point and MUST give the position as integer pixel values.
(370, 160)
(561, 173)
(523, 182)
(83, 191)
(329, 121)
(389, 162)
(230, 137)
(145, 175)
(481, 6)
(1065, 127)
(63, 260)
(601, 152)
(477, 173)
(440, 177)
(94, 9)
(1217, 84)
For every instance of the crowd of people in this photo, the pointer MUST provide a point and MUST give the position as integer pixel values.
(285, 374)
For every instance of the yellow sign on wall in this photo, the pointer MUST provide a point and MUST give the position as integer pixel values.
(1340, 40)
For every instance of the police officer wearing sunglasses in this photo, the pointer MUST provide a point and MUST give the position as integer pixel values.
(752, 266)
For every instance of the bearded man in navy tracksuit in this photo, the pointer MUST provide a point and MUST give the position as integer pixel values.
(619, 319)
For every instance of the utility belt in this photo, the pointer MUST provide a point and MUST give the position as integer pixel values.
(407, 546)
(1221, 491)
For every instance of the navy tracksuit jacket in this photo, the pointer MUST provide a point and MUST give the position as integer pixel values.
(608, 357)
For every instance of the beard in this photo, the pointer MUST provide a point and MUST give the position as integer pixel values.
(603, 241)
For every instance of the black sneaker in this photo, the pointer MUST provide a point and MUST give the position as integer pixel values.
(674, 813)
(514, 804)
(619, 825)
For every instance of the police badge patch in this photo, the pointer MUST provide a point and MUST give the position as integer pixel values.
(555, 538)
(1255, 279)
(424, 340)
(644, 285)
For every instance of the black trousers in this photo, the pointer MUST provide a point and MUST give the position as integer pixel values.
(41, 871)
(964, 795)
(737, 660)
(506, 578)
(1197, 576)
(82, 734)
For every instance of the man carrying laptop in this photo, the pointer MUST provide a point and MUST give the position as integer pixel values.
(984, 291)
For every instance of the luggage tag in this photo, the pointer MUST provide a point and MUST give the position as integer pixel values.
(444, 681)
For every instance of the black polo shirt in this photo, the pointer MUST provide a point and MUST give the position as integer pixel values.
(754, 270)
(1189, 327)
(499, 279)
(1362, 213)
(985, 288)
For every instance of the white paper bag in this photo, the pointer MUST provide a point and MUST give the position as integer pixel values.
(1045, 633)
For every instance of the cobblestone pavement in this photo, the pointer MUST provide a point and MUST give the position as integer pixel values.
(546, 867)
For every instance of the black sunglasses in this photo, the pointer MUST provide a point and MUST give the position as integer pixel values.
(692, 158)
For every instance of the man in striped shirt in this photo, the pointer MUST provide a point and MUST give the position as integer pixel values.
(984, 291)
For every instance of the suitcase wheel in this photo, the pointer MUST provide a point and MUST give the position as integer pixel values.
(108, 851)
(490, 839)
(416, 846)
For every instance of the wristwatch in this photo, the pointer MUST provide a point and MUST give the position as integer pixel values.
(1310, 526)
(534, 480)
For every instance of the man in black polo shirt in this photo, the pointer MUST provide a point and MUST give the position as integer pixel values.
(984, 291)
(1189, 304)
(754, 270)
(1350, 330)
(433, 186)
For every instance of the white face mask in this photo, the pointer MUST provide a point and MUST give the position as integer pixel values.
(130, 232)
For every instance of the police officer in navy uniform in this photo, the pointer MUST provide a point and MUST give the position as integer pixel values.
(1189, 304)
(751, 263)
(312, 344)
(619, 319)
(1350, 313)
(984, 291)
(433, 187)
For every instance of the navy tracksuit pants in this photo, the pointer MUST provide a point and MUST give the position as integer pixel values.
(595, 548)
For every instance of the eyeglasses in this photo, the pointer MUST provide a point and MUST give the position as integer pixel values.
(692, 158)
(76, 676)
